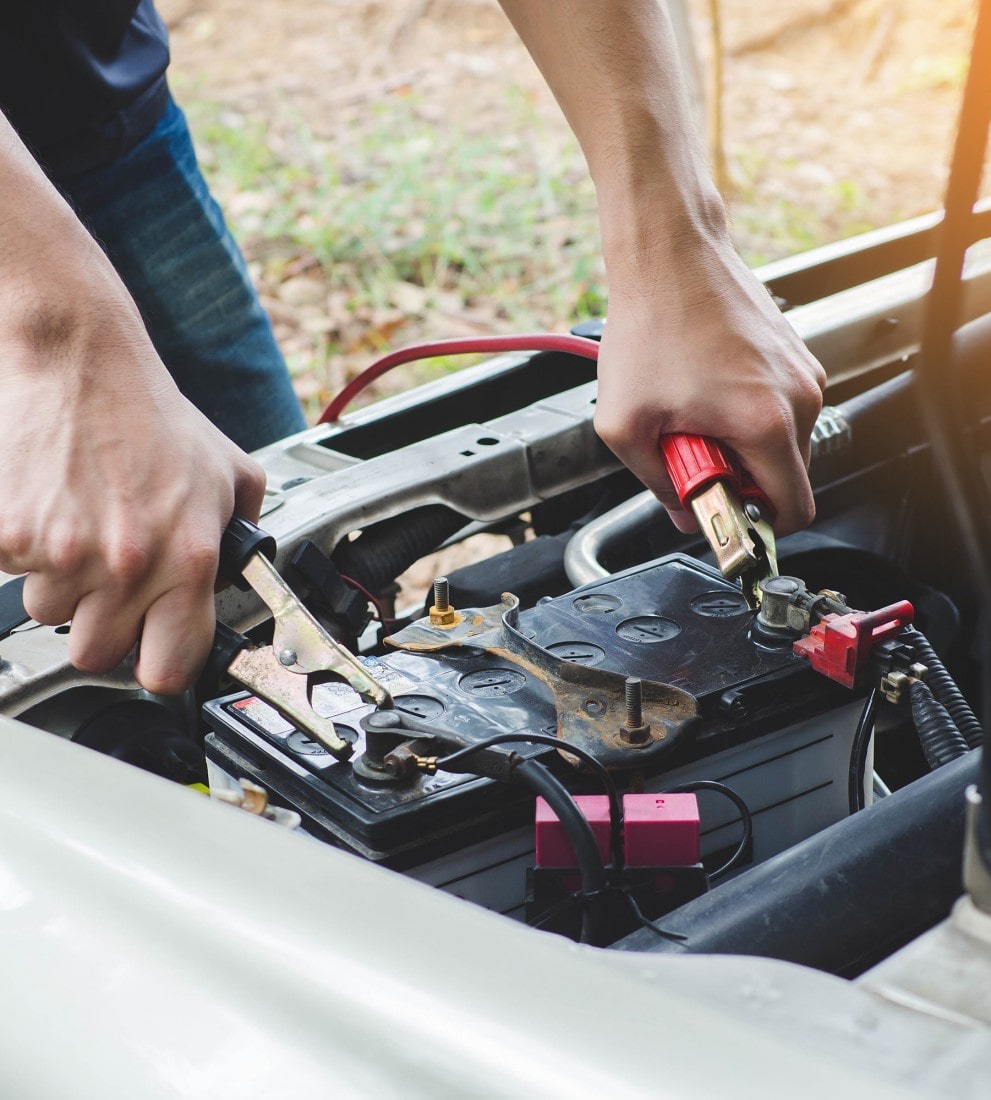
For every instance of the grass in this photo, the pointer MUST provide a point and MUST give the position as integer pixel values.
(412, 227)
(402, 228)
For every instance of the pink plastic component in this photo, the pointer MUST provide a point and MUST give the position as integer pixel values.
(661, 830)
(553, 849)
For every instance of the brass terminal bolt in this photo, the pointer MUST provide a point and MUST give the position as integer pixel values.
(441, 613)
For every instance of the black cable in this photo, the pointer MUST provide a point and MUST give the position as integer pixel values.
(938, 734)
(544, 783)
(746, 817)
(858, 751)
(748, 828)
(944, 688)
(608, 783)
(646, 922)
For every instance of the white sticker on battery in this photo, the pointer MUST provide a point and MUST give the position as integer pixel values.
(334, 698)
(387, 676)
(263, 716)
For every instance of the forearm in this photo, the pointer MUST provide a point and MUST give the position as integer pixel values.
(694, 342)
(117, 489)
(55, 282)
(615, 71)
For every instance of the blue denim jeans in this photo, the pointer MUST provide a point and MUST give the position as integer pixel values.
(165, 235)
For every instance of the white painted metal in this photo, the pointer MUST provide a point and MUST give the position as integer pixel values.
(155, 944)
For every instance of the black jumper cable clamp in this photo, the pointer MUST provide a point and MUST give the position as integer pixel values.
(302, 654)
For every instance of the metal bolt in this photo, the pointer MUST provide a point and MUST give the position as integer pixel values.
(442, 594)
(753, 511)
(287, 657)
(441, 613)
(634, 702)
(634, 732)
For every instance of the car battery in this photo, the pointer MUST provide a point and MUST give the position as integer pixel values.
(767, 725)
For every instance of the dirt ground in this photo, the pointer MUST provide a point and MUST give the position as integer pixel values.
(838, 114)
(848, 103)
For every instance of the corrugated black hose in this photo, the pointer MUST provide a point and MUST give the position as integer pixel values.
(940, 739)
(944, 688)
(386, 549)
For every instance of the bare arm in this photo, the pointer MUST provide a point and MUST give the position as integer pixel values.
(694, 342)
(115, 489)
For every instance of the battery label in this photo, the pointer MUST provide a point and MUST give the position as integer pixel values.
(263, 716)
(332, 699)
(387, 676)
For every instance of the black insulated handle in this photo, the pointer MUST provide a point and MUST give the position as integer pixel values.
(227, 644)
(241, 541)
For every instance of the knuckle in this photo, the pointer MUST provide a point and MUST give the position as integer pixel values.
(67, 555)
(200, 561)
(250, 486)
(811, 395)
(48, 325)
(128, 562)
(16, 541)
(776, 422)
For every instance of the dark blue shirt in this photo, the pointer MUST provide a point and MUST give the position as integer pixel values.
(82, 80)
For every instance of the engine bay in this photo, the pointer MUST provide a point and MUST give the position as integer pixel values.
(599, 629)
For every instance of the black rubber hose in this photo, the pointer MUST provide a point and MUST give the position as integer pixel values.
(944, 688)
(844, 898)
(387, 549)
(941, 741)
(591, 868)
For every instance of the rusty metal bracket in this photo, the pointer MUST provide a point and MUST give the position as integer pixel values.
(590, 702)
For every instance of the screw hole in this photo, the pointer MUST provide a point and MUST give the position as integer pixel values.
(467, 454)
(63, 629)
(486, 441)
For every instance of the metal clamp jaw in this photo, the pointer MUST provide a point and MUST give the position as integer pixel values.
(733, 512)
(302, 653)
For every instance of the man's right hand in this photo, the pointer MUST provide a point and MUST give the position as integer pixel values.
(116, 491)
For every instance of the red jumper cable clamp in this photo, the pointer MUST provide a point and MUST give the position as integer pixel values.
(733, 512)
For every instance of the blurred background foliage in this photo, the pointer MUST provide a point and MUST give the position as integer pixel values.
(398, 171)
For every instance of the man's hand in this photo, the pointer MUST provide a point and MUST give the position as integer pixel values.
(116, 490)
(694, 343)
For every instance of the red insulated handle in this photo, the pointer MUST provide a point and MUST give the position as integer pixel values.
(694, 462)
